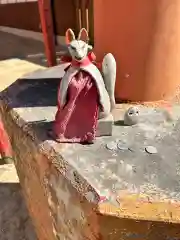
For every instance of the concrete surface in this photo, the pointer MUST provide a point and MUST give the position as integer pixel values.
(46, 177)
(13, 46)
(111, 171)
(15, 223)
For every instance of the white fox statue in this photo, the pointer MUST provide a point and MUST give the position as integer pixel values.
(85, 94)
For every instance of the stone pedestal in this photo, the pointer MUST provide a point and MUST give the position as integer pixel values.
(105, 126)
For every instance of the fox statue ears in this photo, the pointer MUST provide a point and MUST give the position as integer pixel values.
(70, 36)
(83, 35)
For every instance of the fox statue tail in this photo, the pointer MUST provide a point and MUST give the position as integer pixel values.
(109, 76)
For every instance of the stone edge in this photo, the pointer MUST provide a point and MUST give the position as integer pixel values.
(130, 206)
(64, 168)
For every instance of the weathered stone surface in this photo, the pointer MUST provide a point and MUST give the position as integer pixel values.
(73, 191)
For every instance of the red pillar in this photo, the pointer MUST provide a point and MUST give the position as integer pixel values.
(47, 29)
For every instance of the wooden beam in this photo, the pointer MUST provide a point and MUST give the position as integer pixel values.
(47, 30)
(77, 4)
(85, 13)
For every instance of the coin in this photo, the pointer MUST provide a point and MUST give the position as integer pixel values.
(111, 146)
(122, 146)
(151, 150)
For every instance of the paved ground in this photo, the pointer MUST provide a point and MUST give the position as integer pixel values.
(23, 48)
(17, 47)
(15, 223)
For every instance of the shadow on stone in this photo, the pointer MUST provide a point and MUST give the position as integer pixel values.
(6, 160)
(14, 218)
(42, 129)
(2, 161)
(32, 93)
(119, 123)
(31, 50)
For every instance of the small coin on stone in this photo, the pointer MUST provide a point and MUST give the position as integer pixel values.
(151, 150)
(122, 146)
(111, 146)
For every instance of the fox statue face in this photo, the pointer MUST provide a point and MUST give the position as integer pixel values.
(78, 48)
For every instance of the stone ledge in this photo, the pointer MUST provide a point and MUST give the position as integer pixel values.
(46, 190)
(73, 183)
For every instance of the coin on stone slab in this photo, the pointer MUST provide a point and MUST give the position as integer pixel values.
(151, 150)
(131, 116)
(122, 146)
(111, 146)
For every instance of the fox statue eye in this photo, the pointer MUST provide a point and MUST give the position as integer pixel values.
(73, 48)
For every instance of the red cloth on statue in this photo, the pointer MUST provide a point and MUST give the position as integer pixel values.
(77, 120)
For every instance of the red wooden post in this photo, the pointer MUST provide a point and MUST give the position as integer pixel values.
(47, 29)
(5, 145)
